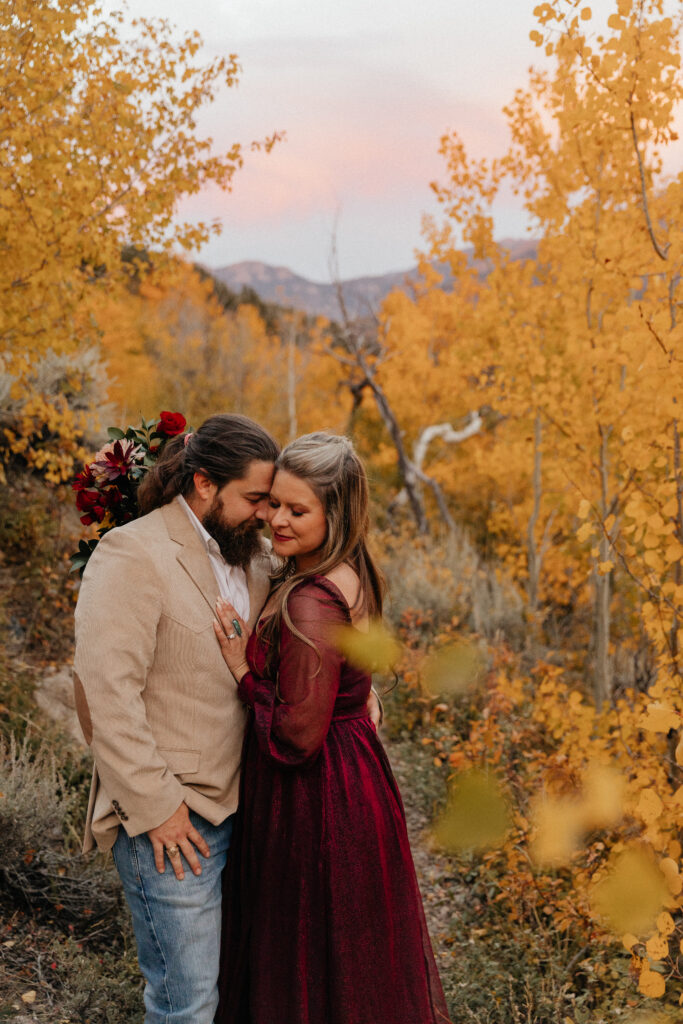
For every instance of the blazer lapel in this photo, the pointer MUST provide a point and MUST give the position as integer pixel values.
(191, 553)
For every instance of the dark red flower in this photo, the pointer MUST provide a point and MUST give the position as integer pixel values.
(115, 459)
(112, 497)
(91, 503)
(84, 479)
(171, 423)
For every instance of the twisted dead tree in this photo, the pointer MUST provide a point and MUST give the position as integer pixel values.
(362, 353)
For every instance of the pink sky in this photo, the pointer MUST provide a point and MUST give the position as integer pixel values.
(364, 93)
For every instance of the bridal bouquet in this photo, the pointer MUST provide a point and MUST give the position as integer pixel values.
(106, 489)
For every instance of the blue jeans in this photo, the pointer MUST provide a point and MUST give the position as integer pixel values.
(177, 925)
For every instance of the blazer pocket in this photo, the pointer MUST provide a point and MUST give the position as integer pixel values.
(181, 762)
(191, 620)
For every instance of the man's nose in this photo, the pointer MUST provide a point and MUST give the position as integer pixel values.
(261, 511)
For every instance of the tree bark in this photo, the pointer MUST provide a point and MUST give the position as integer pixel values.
(533, 559)
(603, 594)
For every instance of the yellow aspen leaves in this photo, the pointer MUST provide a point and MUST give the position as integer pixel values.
(575, 488)
(665, 924)
(660, 717)
(678, 754)
(584, 532)
(97, 160)
(650, 983)
(671, 872)
(657, 947)
(649, 806)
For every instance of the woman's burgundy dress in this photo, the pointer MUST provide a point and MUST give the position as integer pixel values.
(322, 920)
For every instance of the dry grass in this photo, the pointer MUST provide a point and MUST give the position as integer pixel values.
(445, 578)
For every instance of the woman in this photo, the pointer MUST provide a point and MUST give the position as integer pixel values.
(323, 922)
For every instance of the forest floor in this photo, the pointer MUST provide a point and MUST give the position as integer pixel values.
(443, 894)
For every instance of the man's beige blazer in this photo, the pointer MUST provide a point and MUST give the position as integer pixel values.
(155, 700)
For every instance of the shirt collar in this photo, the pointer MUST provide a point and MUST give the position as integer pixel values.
(206, 538)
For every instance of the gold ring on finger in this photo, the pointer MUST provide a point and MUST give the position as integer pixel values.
(172, 851)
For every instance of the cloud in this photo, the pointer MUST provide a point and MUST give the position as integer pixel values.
(367, 132)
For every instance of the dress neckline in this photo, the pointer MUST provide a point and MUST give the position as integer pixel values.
(327, 582)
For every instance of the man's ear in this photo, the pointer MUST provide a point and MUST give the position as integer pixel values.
(203, 487)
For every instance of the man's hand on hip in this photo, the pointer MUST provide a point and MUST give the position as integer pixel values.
(175, 837)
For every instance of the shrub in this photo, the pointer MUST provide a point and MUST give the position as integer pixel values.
(38, 871)
(437, 583)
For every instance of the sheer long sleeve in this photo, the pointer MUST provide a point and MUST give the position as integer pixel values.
(291, 725)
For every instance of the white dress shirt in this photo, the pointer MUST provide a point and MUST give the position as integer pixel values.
(231, 579)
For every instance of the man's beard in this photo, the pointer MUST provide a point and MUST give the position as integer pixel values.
(237, 544)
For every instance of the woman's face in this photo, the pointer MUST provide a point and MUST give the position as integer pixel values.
(297, 519)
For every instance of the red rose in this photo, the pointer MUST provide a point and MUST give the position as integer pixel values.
(171, 423)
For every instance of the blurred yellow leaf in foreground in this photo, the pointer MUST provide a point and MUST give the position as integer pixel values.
(453, 669)
(630, 896)
(561, 822)
(477, 814)
(603, 796)
(375, 651)
(557, 830)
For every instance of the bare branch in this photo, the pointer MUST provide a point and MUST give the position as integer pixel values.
(662, 253)
(446, 432)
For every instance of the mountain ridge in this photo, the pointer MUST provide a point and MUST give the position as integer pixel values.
(362, 295)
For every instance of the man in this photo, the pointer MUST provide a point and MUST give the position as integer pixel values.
(158, 706)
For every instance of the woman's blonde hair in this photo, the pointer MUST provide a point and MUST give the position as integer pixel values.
(328, 463)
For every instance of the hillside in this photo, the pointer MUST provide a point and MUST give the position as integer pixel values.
(362, 295)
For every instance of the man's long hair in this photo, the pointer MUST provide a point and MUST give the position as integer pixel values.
(222, 449)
